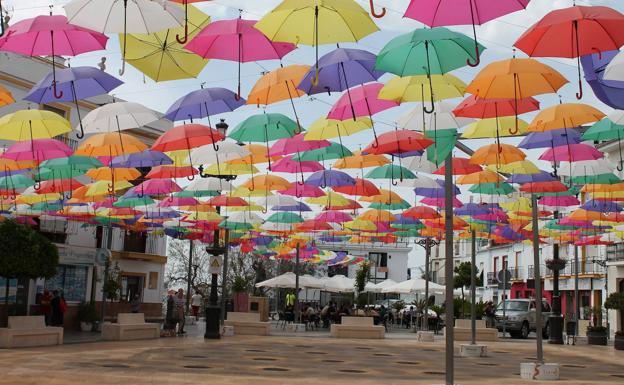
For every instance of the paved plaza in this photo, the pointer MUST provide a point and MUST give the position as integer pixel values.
(303, 359)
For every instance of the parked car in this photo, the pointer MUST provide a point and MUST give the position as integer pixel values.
(519, 319)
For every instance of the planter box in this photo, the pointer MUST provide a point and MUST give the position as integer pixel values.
(241, 302)
(597, 338)
(618, 342)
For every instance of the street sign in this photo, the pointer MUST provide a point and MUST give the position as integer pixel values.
(504, 276)
(216, 264)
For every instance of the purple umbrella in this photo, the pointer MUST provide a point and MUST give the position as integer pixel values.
(147, 158)
(203, 103)
(340, 70)
(551, 138)
(300, 206)
(602, 206)
(472, 209)
(75, 84)
(542, 176)
(609, 92)
(330, 178)
(435, 192)
(509, 233)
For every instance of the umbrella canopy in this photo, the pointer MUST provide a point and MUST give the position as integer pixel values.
(32, 124)
(204, 103)
(412, 286)
(339, 284)
(118, 116)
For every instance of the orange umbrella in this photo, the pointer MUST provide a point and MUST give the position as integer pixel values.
(280, 84)
(258, 154)
(357, 160)
(385, 196)
(14, 165)
(375, 215)
(110, 144)
(267, 182)
(497, 154)
(106, 173)
(585, 215)
(5, 97)
(421, 212)
(480, 177)
(565, 115)
(517, 79)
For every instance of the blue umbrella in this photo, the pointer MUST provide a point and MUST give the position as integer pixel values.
(542, 176)
(300, 206)
(551, 138)
(609, 92)
(203, 103)
(75, 84)
(602, 206)
(331, 178)
(147, 158)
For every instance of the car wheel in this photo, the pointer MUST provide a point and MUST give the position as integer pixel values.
(546, 331)
(514, 334)
(524, 330)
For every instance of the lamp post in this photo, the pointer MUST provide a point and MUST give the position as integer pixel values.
(427, 244)
(555, 320)
(215, 312)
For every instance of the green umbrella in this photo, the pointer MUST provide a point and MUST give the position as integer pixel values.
(500, 188)
(390, 171)
(333, 151)
(443, 143)
(196, 194)
(596, 179)
(15, 182)
(553, 225)
(426, 51)
(605, 130)
(134, 202)
(407, 233)
(285, 217)
(225, 224)
(407, 226)
(572, 191)
(67, 168)
(46, 206)
(392, 206)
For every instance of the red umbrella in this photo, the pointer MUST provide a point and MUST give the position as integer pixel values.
(574, 32)
(185, 137)
(461, 166)
(59, 186)
(160, 172)
(362, 187)
(398, 142)
(543, 187)
(223, 200)
(421, 212)
(476, 107)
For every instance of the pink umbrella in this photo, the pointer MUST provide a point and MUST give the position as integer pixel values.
(572, 153)
(287, 164)
(237, 40)
(334, 217)
(178, 201)
(437, 13)
(295, 144)
(303, 190)
(558, 201)
(439, 202)
(156, 187)
(37, 150)
(51, 36)
(361, 101)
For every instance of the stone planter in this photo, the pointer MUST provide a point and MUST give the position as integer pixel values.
(86, 326)
(241, 302)
(539, 372)
(596, 338)
(618, 342)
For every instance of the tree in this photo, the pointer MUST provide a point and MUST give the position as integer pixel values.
(361, 277)
(462, 277)
(25, 254)
(177, 269)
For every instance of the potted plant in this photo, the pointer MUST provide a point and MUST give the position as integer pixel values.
(240, 295)
(556, 264)
(615, 301)
(596, 335)
(87, 316)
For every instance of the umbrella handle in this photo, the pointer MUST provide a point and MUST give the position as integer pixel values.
(253, 184)
(515, 130)
(123, 67)
(395, 182)
(37, 185)
(478, 55)
(579, 95)
(69, 195)
(429, 111)
(185, 38)
(620, 167)
(57, 94)
(237, 96)
(111, 189)
(201, 172)
(315, 79)
(81, 134)
(1, 21)
(191, 177)
(375, 144)
(374, 12)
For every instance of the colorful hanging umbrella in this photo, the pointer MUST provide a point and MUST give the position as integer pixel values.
(204, 103)
(330, 178)
(497, 154)
(111, 144)
(118, 116)
(24, 125)
(397, 142)
(574, 32)
(476, 107)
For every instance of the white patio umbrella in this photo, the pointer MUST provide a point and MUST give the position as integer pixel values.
(419, 181)
(442, 119)
(378, 287)
(339, 284)
(125, 16)
(118, 116)
(287, 281)
(586, 167)
(412, 286)
(277, 200)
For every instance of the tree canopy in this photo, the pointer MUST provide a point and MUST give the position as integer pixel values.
(25, 253)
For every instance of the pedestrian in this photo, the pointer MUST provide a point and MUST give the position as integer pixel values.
(56, 318)
(171, 315)
(489, 314)
(45, 305)
(180, 302)
(135, 303)
(196, 301)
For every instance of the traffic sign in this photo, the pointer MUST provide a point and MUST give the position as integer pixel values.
(504, 278)
(216, 264)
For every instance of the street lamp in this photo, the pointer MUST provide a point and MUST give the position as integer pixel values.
(427, 244)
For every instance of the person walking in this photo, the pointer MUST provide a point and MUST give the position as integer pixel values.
(56, 318)
(45, 305)
(196, 302)
(135, 303)
(171, 315)
(180, 302)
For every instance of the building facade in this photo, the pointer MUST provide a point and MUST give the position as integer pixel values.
(138, 259)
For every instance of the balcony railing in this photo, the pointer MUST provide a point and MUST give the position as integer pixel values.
(570, 269)
(70, 142)
(516, 273)
(531, 271)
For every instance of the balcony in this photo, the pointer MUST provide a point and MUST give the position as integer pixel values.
(516, 274)
(531, 271)
(491, 279)
(70, 142)
(586, 269)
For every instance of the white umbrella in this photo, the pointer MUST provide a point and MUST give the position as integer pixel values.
(277, 200)
(245, 217)
(226, 151)
(615, 69)
(209, 184)
(442, 119)
(411, 286)
(118, 116)
(420, 181)
(419, 164)
(119, 16)
(339, 284)
(586, 167)
(288, 281)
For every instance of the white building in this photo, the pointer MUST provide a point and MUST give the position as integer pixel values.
(140, 258)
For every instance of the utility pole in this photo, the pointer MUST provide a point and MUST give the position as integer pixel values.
(189, 277)
(537, 278)
(427, 244)
(448, 270)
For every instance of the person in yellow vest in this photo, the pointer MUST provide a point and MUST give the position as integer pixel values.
(290, 299)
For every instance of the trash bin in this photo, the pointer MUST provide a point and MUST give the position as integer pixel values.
(570, 331)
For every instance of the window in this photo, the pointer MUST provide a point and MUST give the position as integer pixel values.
(518, 253)
(380, 259)
(71, 281)
(505, 265)
(135, 242)
(495, 265)
(153, 280)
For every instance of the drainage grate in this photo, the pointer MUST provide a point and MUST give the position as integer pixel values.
(264, 359)
(363, 348)
(486, 364)
(320, 353)
(617, 375)
(383, 354)
(332, 361)
(276, 369)
(352, 371)
(435, 373)
(429, 350)
(573, 366)
(408, 363)
(121, 366)
(196, 367)
(255, 351)
(500, 351)
(195, 356)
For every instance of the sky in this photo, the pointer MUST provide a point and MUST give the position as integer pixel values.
(498, 36)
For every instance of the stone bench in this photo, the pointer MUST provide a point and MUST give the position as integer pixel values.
(247, 324)
(358, 328)
(28, 331)
(130, 326)
(462, 331)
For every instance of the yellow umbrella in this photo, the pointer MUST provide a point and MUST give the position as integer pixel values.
(324, 128)
(203, 216)
(244, 192)
(331, 197)
(32, 124)
(494, 127)
(385, 196)
(160, 56)
(417, 89)
(37, 198)
(231, 169)
(103, 187)
(485, 176)
(520, 167)
(357, 160)
(360, 225)
(110, 144)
